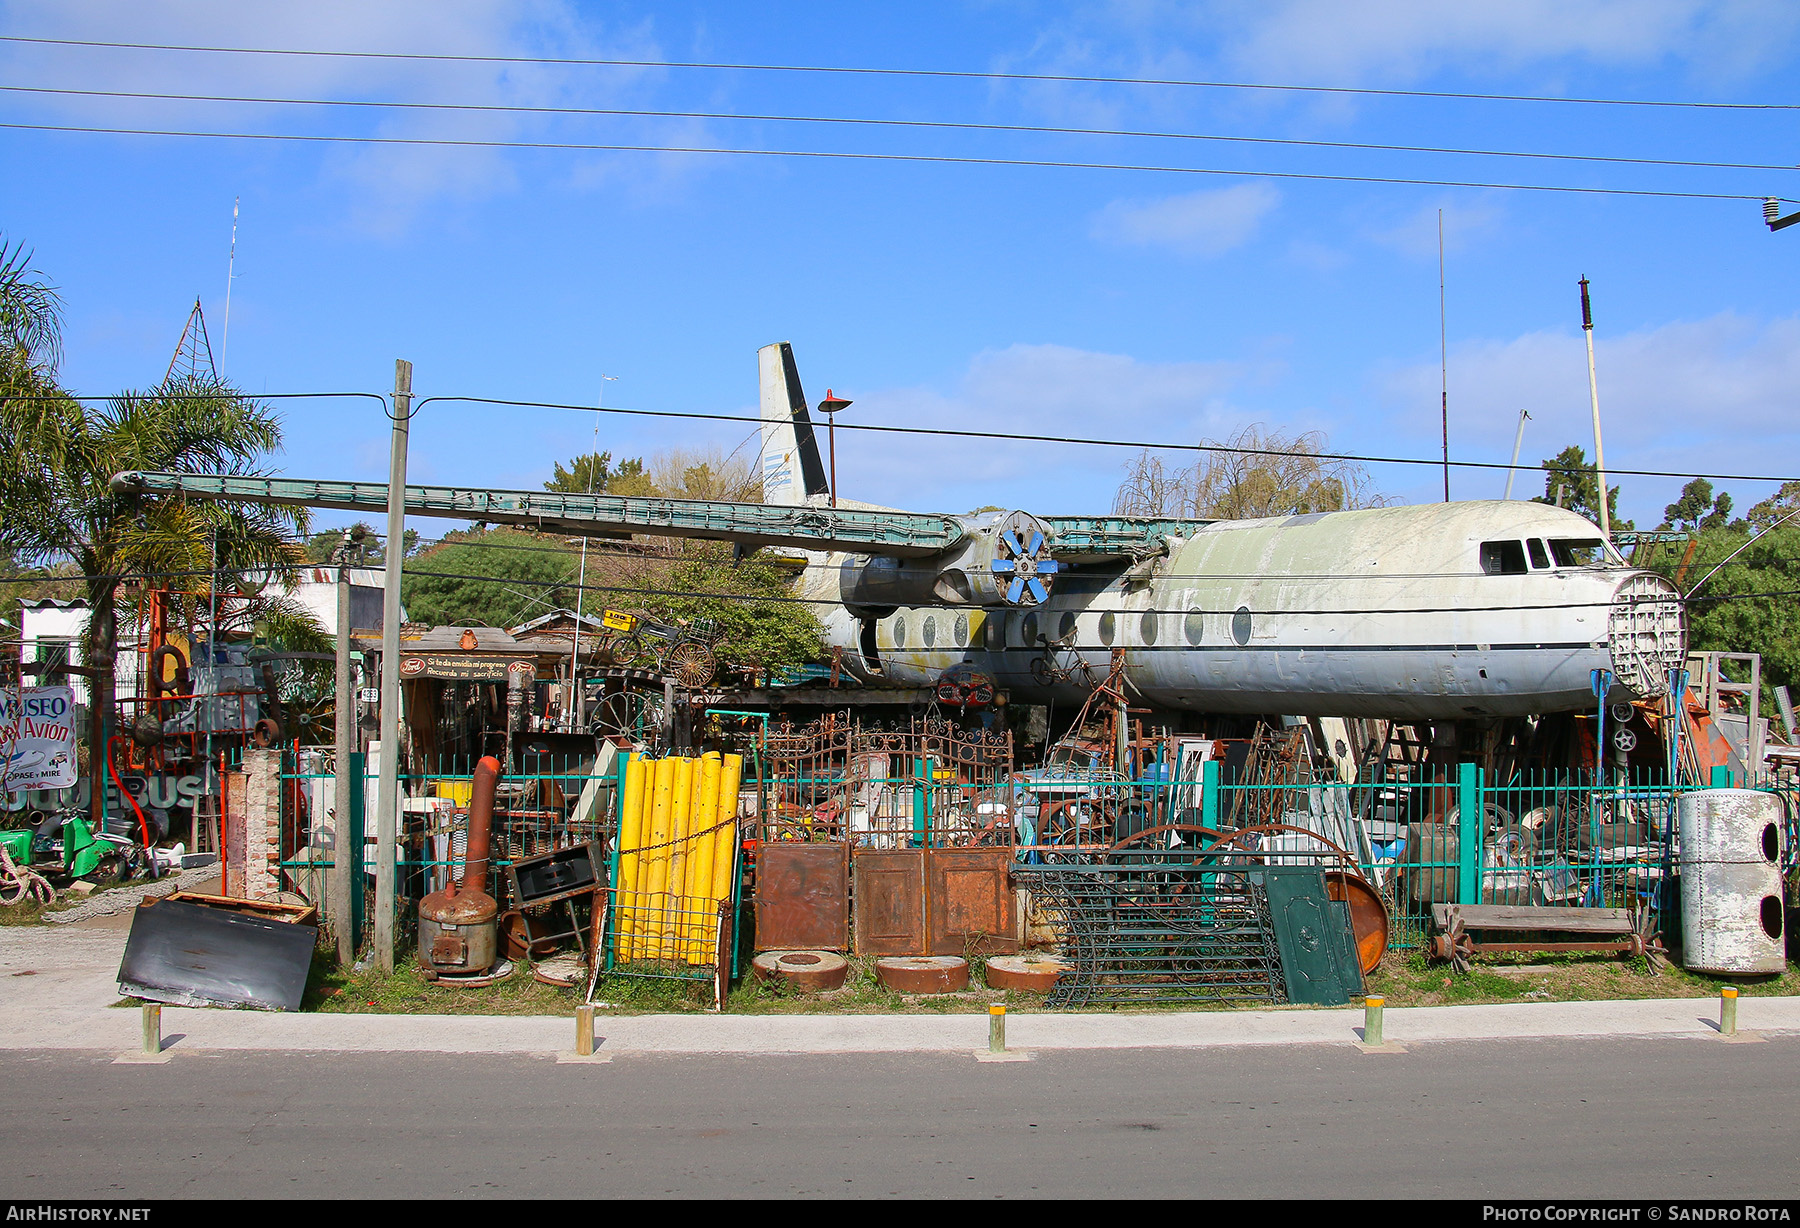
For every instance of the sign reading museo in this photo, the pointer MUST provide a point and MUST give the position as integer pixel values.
(37, 737)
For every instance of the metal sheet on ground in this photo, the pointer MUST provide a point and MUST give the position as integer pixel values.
(803, 897)
(192, 955)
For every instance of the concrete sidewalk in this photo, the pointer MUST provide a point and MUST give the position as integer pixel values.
(57, 991)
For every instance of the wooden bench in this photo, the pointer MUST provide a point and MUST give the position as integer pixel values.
(1599, 930)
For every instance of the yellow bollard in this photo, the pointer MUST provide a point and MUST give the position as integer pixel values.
(1372, 1028)
(996, 1028)
(584, 1030)
(1728, 1012)
(152, 1027)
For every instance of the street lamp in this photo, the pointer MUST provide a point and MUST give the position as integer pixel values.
(829, 407)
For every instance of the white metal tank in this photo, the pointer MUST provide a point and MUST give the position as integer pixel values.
(1731, 908)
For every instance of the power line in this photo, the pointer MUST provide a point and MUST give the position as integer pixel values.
(943, 74)
(1010, 437)
(943, 125)
(1014, 437)
(847, 156)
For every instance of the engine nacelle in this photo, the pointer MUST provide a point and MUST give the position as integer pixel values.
(1004, 561)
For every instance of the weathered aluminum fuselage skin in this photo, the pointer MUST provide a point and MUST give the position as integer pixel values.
(1383, 612)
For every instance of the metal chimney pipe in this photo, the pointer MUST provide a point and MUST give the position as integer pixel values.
(481, 829)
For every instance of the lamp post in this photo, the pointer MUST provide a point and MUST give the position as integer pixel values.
(829, 407)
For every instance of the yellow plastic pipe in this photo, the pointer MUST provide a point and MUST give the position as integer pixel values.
(656, 864)
(725, 851)
(700, 862)
(672, 928)
(631, 830)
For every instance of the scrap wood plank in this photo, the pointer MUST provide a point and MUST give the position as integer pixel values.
(269, 910)
(1560, 920)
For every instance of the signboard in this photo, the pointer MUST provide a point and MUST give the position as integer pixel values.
(618, 621)
(456, 667)
(37, 737)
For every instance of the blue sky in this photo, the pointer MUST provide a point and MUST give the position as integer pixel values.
(1029, 300)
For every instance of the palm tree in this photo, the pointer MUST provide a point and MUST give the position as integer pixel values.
(57, 504)
(63, 506)
(30, 314)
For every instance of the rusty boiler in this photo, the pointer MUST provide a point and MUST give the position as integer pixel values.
(458, 929)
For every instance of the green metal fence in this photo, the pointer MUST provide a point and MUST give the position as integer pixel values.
(553, 802)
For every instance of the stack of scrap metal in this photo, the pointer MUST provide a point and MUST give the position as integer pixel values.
(1156, 927)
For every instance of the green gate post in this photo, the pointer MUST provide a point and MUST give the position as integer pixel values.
(1721, 777)
(921, 792)
(351, 855)
(1468, 836)
(1209, 794)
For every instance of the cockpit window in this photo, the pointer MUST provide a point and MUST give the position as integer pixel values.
(1503, 558)
(1539, 558)
(1577, 551)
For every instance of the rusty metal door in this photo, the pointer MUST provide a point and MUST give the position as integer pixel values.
(935, 902)
(969, 902)
(890, 902)
(803, 897)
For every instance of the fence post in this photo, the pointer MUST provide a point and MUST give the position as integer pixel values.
(1721, 777)
(1209, 794)
(350, 852)
(1469, 833)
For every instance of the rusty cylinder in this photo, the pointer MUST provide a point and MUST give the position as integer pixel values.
(481, 826)
(458, 926)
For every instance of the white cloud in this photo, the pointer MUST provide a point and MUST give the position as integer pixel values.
(1030, 393)
(1416, 235)
(384, 186)
(1702, 396)
(1389, 40)
(1204, 223)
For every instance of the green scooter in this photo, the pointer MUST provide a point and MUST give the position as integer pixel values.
(65, 845)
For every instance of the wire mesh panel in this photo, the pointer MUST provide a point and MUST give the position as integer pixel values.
(1153, 929)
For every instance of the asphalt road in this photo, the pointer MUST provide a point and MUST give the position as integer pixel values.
(1513, 1119)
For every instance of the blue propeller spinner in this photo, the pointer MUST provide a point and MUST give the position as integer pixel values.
(1022, 570)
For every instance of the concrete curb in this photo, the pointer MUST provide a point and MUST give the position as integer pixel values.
(57, 991)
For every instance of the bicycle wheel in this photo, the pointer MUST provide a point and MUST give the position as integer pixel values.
(1042, 672)
(628, 652)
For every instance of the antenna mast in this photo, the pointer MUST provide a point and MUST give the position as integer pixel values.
(230, 272)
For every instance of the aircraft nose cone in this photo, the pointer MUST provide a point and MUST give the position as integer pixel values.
(1646, 633)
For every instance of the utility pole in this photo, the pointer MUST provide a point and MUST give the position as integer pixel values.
(387, 790)
(346, 860)
(1587, 328)
(573, 713)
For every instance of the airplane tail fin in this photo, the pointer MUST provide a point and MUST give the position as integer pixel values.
(791, 470)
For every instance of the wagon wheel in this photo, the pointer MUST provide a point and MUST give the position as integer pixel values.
(1241, 839)
(1161, 836)
(693, 663)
